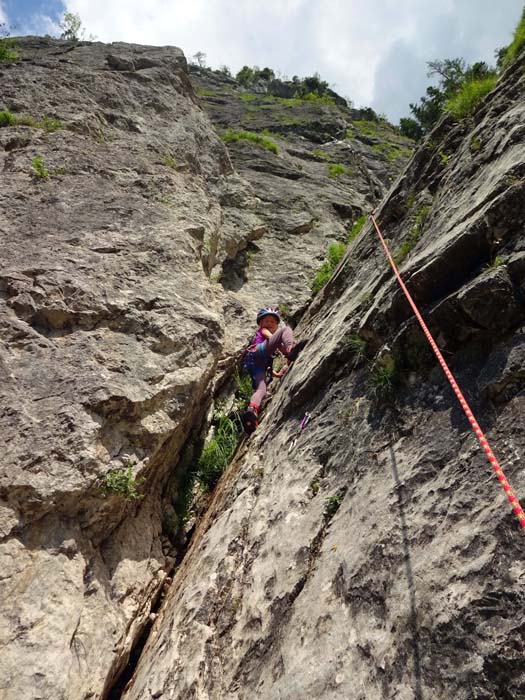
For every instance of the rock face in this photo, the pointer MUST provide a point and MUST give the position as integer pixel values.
(111, 332)
(119, 210)
(329, 168)
(372, 554)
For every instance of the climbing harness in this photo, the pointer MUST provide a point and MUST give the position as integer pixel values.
(255, 361)
(518, 510)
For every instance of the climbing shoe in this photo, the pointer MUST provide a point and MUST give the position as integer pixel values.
(295, 350)
(249, 420)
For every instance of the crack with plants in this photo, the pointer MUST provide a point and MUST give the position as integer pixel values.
(186, 500)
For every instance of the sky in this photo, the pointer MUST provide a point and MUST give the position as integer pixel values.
(373, 52)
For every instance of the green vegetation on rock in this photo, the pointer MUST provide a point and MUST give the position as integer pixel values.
(356, 228)
(122, 482)
(413, 237)
(49, 124)
(336, 170)
(469, 96)
(8, 50)
(335, 254)
(518, 43)
(233, 135)
(39, 167)
(218, 452)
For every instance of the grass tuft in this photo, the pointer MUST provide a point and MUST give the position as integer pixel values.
(336, 170)
(218, 452)
(469, 96)
(382, 381)
(356, 228)
(335, 254)
(232, 135)
(413, 237)
(518, 43)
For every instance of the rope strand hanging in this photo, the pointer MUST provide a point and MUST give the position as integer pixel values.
(518, 510)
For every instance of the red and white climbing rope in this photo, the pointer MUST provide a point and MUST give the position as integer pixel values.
(464, 405)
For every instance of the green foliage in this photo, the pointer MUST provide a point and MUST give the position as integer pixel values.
(49, 124)
(7, 118)
(284, 310)
(391, 151)
(321, 277)
(314, 97)
(495, 262)
(358, 346)
(315, 486)
(71, 26)
(517, 45)
(335, 254)
(8, 50)
(469, 96)
(218, 452)
(382, 380)
(39, 167)
(170, 161)
(410, 128)
(245, 76)
(413, 237)
(454, 75)
(204, 92)
(233, 135)
(366, 127)
(243, 385)
(475, 144)
(336, 170)
(320, 154)
(122, 482)
(311, 87)
(332, 504)
(356, 228)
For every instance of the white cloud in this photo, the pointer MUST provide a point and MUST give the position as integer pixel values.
(38, 25)
(373, 52)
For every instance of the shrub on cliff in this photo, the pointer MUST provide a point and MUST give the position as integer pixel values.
(466, 100)
(518, 42)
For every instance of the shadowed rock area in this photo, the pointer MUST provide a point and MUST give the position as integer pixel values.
(373, 554)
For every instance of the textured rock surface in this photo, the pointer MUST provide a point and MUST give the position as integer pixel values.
(303, 208)
(111, 331)
(377, 556)
(111, 221)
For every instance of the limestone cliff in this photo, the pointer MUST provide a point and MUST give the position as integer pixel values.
(118, 205)
(373, 554)
(369, 555)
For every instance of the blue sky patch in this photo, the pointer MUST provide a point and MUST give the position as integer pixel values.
(25, 16)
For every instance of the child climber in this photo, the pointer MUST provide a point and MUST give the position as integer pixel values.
(259, 356)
